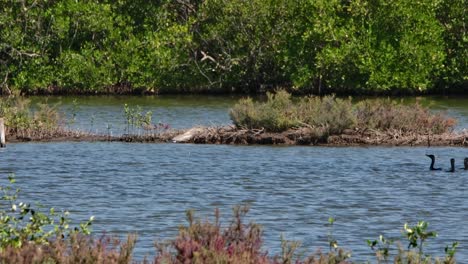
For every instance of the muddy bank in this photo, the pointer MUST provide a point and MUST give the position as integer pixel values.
(233, 135)
(79, 136)
(306, 136)
(56, 136)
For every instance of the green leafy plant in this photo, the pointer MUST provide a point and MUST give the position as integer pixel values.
(74, 111)
(21, 223)
(417, 235)
(136, 118)
(223, 46)
(332, 242)
(381, 247)
(450, 252)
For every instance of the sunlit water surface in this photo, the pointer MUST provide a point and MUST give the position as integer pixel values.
(104, 114)
(146, 188)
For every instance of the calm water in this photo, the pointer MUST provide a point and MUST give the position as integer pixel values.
(95, 113)
(146, 188)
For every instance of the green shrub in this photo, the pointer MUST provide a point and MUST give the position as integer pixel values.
(385, 115)
(329, 112)
(22, 121)
(244, 113)
(329, 115)
(277, 114)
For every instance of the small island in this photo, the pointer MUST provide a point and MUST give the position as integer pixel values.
(279, 120)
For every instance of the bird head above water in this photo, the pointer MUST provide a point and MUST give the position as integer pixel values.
(452, 165)
(432, 157)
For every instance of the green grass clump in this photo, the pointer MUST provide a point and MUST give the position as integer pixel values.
(277, 114)
(329, 115)
(22, 122)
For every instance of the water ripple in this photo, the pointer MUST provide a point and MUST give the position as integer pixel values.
(146, 188)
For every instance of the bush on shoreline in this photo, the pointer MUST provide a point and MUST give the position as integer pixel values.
(276, 114)
(22, 122)
(329, 115)
(385, 115)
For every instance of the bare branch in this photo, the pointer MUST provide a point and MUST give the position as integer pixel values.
(200, 70)
(206, 56)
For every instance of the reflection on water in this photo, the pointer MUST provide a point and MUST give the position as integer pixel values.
(145, 189)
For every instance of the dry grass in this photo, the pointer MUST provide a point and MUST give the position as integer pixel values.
(238, 243)
(23, 123)
(386, 115)
(76, 249)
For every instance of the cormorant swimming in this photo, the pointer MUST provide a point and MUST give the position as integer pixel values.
(452, 165)
(432, 162)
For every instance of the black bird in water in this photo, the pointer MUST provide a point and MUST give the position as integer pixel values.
(465, 163)
(452, 165)
(432, 162)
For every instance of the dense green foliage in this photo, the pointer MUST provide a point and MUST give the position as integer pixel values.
(329, 115)
(219, 45)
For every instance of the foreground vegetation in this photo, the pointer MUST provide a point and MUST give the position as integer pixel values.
(322, 46)
(28, 235)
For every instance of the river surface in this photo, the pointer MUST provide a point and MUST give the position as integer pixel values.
(98, 114)
(292, 191)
